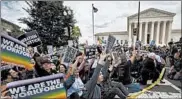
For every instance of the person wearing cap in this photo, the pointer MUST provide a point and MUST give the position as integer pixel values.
(43, 67)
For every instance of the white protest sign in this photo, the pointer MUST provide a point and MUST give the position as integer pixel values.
(50, 49)
(110, 42)
(69, 55)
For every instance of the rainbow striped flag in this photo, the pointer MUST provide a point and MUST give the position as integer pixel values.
(47, 87)
(54, 94)
(14, 52)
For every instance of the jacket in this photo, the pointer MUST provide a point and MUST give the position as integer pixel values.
(94, 90)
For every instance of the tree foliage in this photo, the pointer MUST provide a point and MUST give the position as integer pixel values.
(49, 20)
(76, 32)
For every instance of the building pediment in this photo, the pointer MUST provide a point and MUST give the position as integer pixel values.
(151, 13)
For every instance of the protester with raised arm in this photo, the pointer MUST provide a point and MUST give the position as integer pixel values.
(93, 89)
(111, 88)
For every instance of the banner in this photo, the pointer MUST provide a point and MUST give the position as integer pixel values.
(90, 52)
(69, 55)
(39, 88)
(110, 42)
(14, 52)
(30, 38)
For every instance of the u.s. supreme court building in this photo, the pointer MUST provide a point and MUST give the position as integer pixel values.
(155, 24)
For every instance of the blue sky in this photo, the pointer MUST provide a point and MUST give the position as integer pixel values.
(111, 15)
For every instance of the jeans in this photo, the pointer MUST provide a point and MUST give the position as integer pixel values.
(113, 92)
(121, 87)
(116, 88)
(133, 87)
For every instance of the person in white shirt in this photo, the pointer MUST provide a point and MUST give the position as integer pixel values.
(75, 91)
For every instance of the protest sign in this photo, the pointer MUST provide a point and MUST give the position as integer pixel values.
(14, 52)
(41, 88)
(70, 43)
(50, 49)
(90, 52)
(110, 42)
(54, 57)
(115, 56)
(82, 49)
(30, 38)
(69, 55)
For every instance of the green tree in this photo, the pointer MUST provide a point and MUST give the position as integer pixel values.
(76, 32)
(48, 18)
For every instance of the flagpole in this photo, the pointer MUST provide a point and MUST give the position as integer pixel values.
(138, 21)
(93, 21)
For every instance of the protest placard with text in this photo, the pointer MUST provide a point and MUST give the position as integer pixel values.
(30, 38)
(110, 42)
(70, 54)
(15, 52)
(44, 87)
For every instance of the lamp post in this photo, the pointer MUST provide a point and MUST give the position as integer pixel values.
(67, 12)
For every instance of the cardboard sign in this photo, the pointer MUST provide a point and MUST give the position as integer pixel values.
(14, 52)
(110, 42)
(44, 87)
(70, 54)
(30, 39)
(90, 52)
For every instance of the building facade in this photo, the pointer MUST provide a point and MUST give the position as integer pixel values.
(154, 24)
(121, 37)
(10, 28)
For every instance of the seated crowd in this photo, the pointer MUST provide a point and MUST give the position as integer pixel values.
(101, 77)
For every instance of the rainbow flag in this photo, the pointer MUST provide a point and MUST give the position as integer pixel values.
(99, 41)
(54, 94)
(14, 52)
(47, 87)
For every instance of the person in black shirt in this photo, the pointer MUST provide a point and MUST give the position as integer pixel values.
(127, 79)
(127, 73)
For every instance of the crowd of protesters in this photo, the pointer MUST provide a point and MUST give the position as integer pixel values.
(103, 76)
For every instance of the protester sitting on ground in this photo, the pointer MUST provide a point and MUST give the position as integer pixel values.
(93, 90)
(75, 91)
(87, 67)
(176, 69)
(159, 63)
(62, 69)
(149, 71)
(9, 75)
(127, 79)
(43, 67)
(81, 64)
(25, 73)
(111, 88)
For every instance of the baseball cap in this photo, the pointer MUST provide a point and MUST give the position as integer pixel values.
(45, 60)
